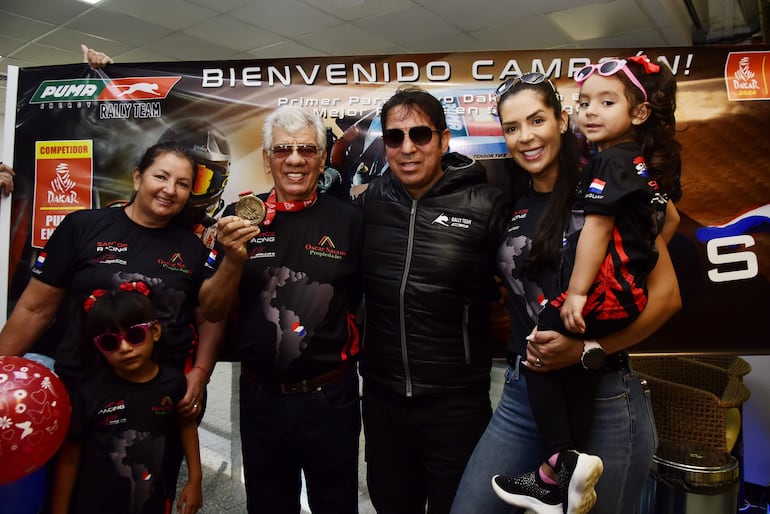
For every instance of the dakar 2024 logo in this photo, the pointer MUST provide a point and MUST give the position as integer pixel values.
(745, 76)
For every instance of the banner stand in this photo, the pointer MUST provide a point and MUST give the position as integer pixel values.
(5, 201)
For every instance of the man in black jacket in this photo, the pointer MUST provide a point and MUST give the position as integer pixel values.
(432, 229)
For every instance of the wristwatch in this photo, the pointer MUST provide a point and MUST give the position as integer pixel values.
(593, 355)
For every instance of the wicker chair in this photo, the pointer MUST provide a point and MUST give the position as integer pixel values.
(692, 400)
(734, 366)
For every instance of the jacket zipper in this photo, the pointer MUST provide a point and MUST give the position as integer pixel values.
(363, 327)
(402, 288)
(466, 339)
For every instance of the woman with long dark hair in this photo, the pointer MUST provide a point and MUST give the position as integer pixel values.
(543, 147)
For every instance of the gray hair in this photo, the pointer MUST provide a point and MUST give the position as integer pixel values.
(291, 119)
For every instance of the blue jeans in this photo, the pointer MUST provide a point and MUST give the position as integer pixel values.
(622, 434)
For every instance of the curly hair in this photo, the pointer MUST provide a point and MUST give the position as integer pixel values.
(657, 135)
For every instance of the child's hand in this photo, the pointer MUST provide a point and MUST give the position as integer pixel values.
(572, 313)
(191, 499)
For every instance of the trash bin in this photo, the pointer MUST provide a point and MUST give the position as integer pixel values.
(686, 479)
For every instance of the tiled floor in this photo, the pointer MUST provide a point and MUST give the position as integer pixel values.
(223, 491)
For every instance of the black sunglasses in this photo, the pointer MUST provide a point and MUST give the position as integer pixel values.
(134, 335)
(421, 135)
(532, 79)
(304, 150)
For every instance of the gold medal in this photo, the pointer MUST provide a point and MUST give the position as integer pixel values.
(250, 208)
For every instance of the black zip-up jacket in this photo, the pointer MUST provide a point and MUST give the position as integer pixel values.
(428, 269)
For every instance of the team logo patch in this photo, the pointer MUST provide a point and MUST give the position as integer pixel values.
(325, 248)
(441, 219)
(175, 263)
(446, 220)
(165, 406)
(640, 166)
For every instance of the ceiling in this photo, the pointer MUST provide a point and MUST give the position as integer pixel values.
(46, 32)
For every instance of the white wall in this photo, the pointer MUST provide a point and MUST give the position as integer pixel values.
(2, 132)
(756, 422)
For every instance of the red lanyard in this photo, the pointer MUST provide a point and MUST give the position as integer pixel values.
(273, 205)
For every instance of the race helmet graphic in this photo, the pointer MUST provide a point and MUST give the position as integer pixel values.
(212, 157)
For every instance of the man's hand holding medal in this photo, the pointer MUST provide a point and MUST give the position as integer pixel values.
(233, 232)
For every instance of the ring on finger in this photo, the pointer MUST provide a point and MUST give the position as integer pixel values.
(538, 363)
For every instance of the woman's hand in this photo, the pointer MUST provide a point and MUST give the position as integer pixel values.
(549, 350)
(192, 402)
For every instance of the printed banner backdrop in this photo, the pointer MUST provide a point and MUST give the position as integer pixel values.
(79, 133)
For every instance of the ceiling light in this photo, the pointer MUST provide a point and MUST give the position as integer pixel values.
(92, 2)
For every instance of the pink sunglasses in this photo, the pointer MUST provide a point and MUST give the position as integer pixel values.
(606, 69)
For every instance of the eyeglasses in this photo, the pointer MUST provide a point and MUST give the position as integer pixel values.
(420, 135)
(304, 150)
(134, 335)
(532, 79)
(606, 69)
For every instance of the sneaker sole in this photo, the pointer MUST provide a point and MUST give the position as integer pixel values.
(526, 502)
(581, 495)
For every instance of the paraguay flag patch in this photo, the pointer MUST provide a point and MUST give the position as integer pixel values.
(597, 186)
(298, 329)
(40, 260)
(212, 258)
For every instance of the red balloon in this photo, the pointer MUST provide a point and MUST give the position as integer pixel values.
(34, 416)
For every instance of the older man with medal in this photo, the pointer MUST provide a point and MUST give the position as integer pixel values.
(250, 208)
(288, 265)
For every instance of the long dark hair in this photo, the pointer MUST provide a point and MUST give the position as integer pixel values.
(657, 135)
(547, 242)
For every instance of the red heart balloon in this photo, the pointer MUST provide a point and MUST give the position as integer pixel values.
(34, 416)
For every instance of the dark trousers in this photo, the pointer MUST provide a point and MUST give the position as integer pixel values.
(417, 448)
(563, 400)
(563, 406)
(316, 432)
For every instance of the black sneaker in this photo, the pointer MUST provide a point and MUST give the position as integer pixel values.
(578, 474)
(528, 491)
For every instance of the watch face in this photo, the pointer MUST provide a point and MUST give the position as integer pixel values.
(594, 358)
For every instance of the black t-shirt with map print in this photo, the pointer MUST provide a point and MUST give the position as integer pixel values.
(299, 291)
(100, 249)
(130, 442)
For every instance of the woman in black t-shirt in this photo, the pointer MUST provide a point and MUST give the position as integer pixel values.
(101, 248)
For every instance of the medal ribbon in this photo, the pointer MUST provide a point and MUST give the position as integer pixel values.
(272, 205)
